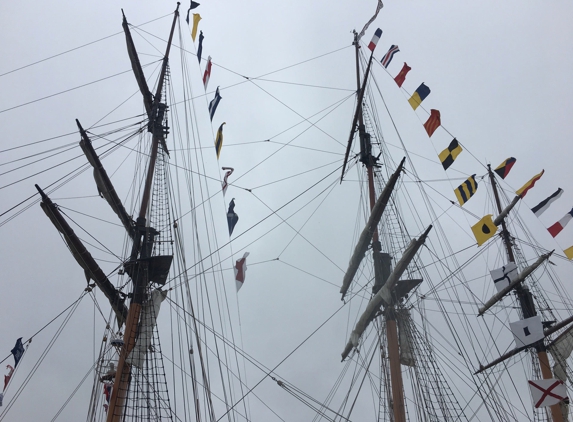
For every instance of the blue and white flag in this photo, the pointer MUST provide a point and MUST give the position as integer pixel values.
(543, 205)
(389, 55)
(18, 351)
(214, 103)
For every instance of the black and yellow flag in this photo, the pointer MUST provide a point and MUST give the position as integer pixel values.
(466, 190)
(484, 229)
(448, 155)
(219, 140)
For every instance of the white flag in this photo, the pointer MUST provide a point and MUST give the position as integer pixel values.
(547, 392)
(502, 277)
(527, 331)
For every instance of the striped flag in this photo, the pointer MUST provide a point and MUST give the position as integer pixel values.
(229, 171)
(241, 271)
(378, 7)
(448, 155)
(546, 203)
(555, 229)
(523, 190)
(375, 40)
(503, 169)
(420, 95)
(466, 190)
(207, 73)
(200, 49)
(219, 140)
(433, 122)
(401, 77)
(389, 55)
(214, 103)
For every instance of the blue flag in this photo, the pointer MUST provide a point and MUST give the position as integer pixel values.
(18, 351)
(214, 103)
(194, 4)
(232, 216)
(200, 49)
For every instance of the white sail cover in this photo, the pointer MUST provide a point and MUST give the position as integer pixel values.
(561, 350)
(148, 318)
(527, 331)
(404, 338)
(503, 276)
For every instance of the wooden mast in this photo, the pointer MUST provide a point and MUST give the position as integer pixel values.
(397, 384)
(526, 302)
(123, 371)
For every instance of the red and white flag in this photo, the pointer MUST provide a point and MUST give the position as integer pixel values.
(375, 40)
(207, 73)
(229, 171)
(547, 392)
(555, 229)
(241, 271)
(7, 377)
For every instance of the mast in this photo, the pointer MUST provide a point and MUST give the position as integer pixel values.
(142, 268)
(526, 303)
(397, 384)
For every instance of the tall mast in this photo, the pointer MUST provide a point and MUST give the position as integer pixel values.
(397, 384)
(526, 303)
(143, 240)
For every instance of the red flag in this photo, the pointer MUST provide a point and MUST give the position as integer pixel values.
(525, 188)
(207, 74)
(227, 174)
(241, 270)
(7, 377)
(433, 122)
(401, 77)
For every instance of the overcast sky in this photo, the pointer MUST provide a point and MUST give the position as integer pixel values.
(500, 74)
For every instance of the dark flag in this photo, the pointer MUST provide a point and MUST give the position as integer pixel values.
(503, 169)
(448, 155)
(219, 140)
(18, 351)
(214, 103)
(401, 77)
(389, 55)
(417, 97)
(433, 122)
(200, 49)
(466, 190)
(232, 216)
(546, 203)
(193, 6)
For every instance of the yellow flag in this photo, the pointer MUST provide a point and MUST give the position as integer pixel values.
(484, 229)
(196, 19)
(523, 190)
(569, 252)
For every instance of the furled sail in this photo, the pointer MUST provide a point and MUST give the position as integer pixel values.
(405, 338)
(384, 295)
(147, 322)
(368, 231)
(84, 258)
(104, 184)
(506, 211)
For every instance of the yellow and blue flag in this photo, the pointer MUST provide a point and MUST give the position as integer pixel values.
(466, 190)
(421, 93)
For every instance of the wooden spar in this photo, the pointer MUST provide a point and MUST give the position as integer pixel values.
(108, 191)
(526, 301)
(123, 371)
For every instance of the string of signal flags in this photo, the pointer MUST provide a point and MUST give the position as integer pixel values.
(486, 227)
(240, 268)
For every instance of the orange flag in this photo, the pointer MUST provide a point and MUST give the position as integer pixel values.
(433, 122)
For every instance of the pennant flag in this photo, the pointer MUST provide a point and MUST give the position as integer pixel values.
(547, 392)
(484, 229)
(200, 49)
(196, 19)
(378, 7)
(375, 39)
(420, 95)
(503, 169)
(219, 140)
(207, 73)
(527, 331)
(232, 216)
(523, 190)
(241, 271)
(7, 377)
(1, 398)
(214, 103)
(502, 277)
(448, 156)
(466, 190)
(555, 229)
(401, 77)
(433, 122)
(546, 203)
(389, 55)
(569, 252)
(230, 171)
(193, 6)
(18, 351)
